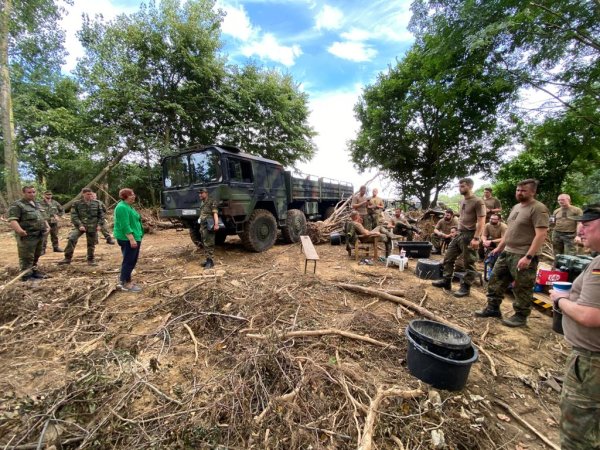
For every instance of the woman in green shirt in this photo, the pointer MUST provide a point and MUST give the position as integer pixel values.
(128, 231)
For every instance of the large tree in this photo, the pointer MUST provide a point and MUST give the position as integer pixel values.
(265, 113)
(432, 117)
(30, 40)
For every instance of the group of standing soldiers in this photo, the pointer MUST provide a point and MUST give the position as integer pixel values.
(34, 221)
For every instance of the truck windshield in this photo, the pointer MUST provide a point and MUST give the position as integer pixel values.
(197, 168)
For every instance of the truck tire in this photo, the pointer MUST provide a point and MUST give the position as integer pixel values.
(195, 235)
(295, 226)
(260, 231)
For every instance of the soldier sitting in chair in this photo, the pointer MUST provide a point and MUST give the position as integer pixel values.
(356, 230)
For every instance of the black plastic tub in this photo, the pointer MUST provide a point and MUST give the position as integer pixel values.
(449, 371)
(416, 249)
(429, 269)
(439, 334)
(335, 238)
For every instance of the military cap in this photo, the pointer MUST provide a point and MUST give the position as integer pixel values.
(590, 212)
(203, 190)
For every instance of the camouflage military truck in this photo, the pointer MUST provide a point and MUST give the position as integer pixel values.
(256, 196)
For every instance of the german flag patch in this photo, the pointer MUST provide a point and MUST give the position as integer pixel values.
(596, 272)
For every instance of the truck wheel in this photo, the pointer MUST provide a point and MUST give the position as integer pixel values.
(329, 212)
(195, 235)
(295, 226)
(260, 231)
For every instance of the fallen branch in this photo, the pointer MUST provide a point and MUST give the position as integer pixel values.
(282, 398)
(334, 331)
(189, 330)
(15, 279)
(487, 355)
(526, 424)
(366, 441)
(424, 312)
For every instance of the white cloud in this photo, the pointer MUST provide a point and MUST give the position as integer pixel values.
(332, 117)
(353, 51)
(356, 34)
(329, 18)
(71, 23)
(268, 48)
(236, 22)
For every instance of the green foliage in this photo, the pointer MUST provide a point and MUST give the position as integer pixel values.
(554, 149)
(265, 113)
(433, 117)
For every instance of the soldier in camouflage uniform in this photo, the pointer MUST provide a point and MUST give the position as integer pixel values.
(103, 228)
(52, 210)
(208, 210)
(580, 398)
(87, 216)
(26, 218)
(518, 249)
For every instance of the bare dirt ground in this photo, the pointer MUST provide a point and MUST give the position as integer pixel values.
(199, 359)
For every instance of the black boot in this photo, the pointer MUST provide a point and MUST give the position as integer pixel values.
(57, 250)
(64, 261)
(444, 283)
(516, 320)
(209, 264)
(464, 290)
(489, 311)
(36, 274)
(110, 241)
(92, 262)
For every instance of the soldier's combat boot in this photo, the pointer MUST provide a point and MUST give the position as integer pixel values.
(64, 261)
(489, 311)
(515, 320)
(444, 283)
(209, 264)
(464, 290)
(57, 250)
(110, 241)
(38, 275)
(92, 262)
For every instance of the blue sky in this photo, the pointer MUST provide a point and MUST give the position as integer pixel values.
(331, 48)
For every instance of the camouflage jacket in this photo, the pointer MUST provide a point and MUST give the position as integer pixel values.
(207, 208)
(89, 214)
(51, 210)
(30, 217)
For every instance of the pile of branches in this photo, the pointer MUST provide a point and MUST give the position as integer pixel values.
(252, 362)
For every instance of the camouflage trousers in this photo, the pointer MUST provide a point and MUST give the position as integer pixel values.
(208, 240)
(53, 236)
(563, 243)
(438, 241)
(29, 249)
(459, 246)
(74, 237)
(367, 223)
(580, 402)
(386, 237)
(505, 272)
(105, 233)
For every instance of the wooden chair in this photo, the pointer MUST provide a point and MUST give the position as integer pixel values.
(365, 246)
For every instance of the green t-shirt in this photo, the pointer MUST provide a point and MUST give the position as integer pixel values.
(127, 221)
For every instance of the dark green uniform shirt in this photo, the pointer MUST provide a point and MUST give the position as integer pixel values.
(89, 214)
(51, 210)
(29, 215)
(207, 208)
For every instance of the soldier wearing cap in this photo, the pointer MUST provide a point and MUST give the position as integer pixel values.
(565, 228)
(52, 210)
(580, 398)
(209, 212)
(87, 216)
(26, 218)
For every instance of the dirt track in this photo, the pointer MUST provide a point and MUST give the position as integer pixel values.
(85, 365)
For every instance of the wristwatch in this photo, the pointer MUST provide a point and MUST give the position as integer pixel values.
(529, 257)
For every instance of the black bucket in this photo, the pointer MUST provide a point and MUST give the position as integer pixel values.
(335, 238)
(557, 321)
(439, 334)
(448, 370)
(429, 269)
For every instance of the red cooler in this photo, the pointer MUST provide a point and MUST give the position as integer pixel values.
(547, 276)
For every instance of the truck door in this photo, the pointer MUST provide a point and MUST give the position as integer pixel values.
(241, 186)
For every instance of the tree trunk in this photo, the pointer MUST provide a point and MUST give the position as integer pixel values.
(11, 172)
(100, 176)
